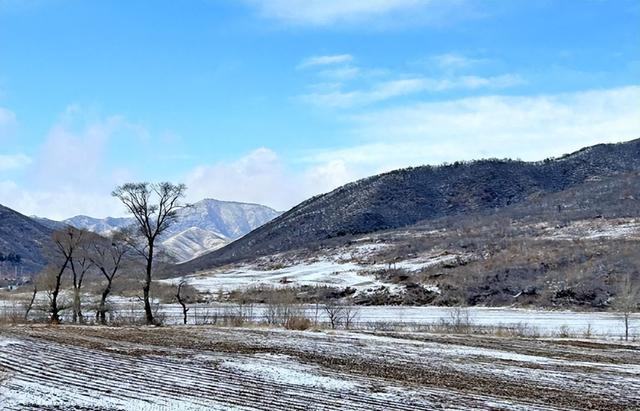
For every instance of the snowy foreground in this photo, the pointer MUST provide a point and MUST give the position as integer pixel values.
(209, 368)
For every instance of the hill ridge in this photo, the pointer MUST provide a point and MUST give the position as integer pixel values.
(405, 196)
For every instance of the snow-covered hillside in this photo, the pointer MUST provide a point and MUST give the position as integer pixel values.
(202, 227)
(225, 218)
(192, 243)
(228, 218)
(104, 226)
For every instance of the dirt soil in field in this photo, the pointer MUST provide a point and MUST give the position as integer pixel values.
(209, 368)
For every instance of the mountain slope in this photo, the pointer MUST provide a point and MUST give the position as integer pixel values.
(224, 218)
(204, 226)
(192, 242)
(22, 236)
(404, 197)
(228, 218)
(103, 226)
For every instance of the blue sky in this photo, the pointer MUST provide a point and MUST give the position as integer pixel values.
(273, 101)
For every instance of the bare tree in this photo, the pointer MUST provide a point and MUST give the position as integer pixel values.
(182, 301)
(80, 264)
(67, 242)
(30, 304)
(151, 220)
(351, 314)
(108, 255)
(626, 302)
(335, 313)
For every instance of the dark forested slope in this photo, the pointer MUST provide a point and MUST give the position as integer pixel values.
(23, 237)
(404, 197)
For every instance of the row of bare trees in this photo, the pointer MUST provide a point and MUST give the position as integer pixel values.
(78, 252)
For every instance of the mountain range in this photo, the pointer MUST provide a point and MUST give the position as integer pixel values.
(199, 228)
(393, 200)
(404, 197)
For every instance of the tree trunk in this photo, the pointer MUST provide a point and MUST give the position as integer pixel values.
(184, 313)
(55, 312)
(102, 309)
(147, 287)
(626, 327)
(77, 309)
(30, 306)
(184, 309)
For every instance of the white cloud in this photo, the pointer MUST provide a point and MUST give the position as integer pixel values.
(454, 61)
(70, 173)
(263, 177)
(13, 161)
(334, 97)
(59, 203)
(328, 175)
(327, 12)
(527, 127)
(258, 177)
(325, 60)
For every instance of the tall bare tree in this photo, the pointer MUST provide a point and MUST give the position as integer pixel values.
(108, 255)
(80, 264)
(67, 243)
(154, 208)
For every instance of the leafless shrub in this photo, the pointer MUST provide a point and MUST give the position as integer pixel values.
(12, 312)
(563, 332)
(298, 323)
(237, 315)
(350, 315)
(281, 307)
(459, 319)
(205, 316)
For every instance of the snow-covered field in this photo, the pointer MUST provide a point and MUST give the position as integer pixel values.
(353, 268)
(204, 368)
(543, 322)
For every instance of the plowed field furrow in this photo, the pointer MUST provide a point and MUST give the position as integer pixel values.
(208, 368)
(203, 381)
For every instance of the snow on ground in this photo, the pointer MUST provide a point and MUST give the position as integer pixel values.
(209, 368)
(543, 322)
(596, 228)
(314, 273)
(341, 269)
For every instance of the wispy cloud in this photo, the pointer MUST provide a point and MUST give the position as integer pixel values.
(454, 61)
(335, 97)
(327, 12)
(14, 161)
(343, 84)
(325, 60)
(527, 127)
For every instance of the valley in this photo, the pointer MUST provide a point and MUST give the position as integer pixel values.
(507, 300)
